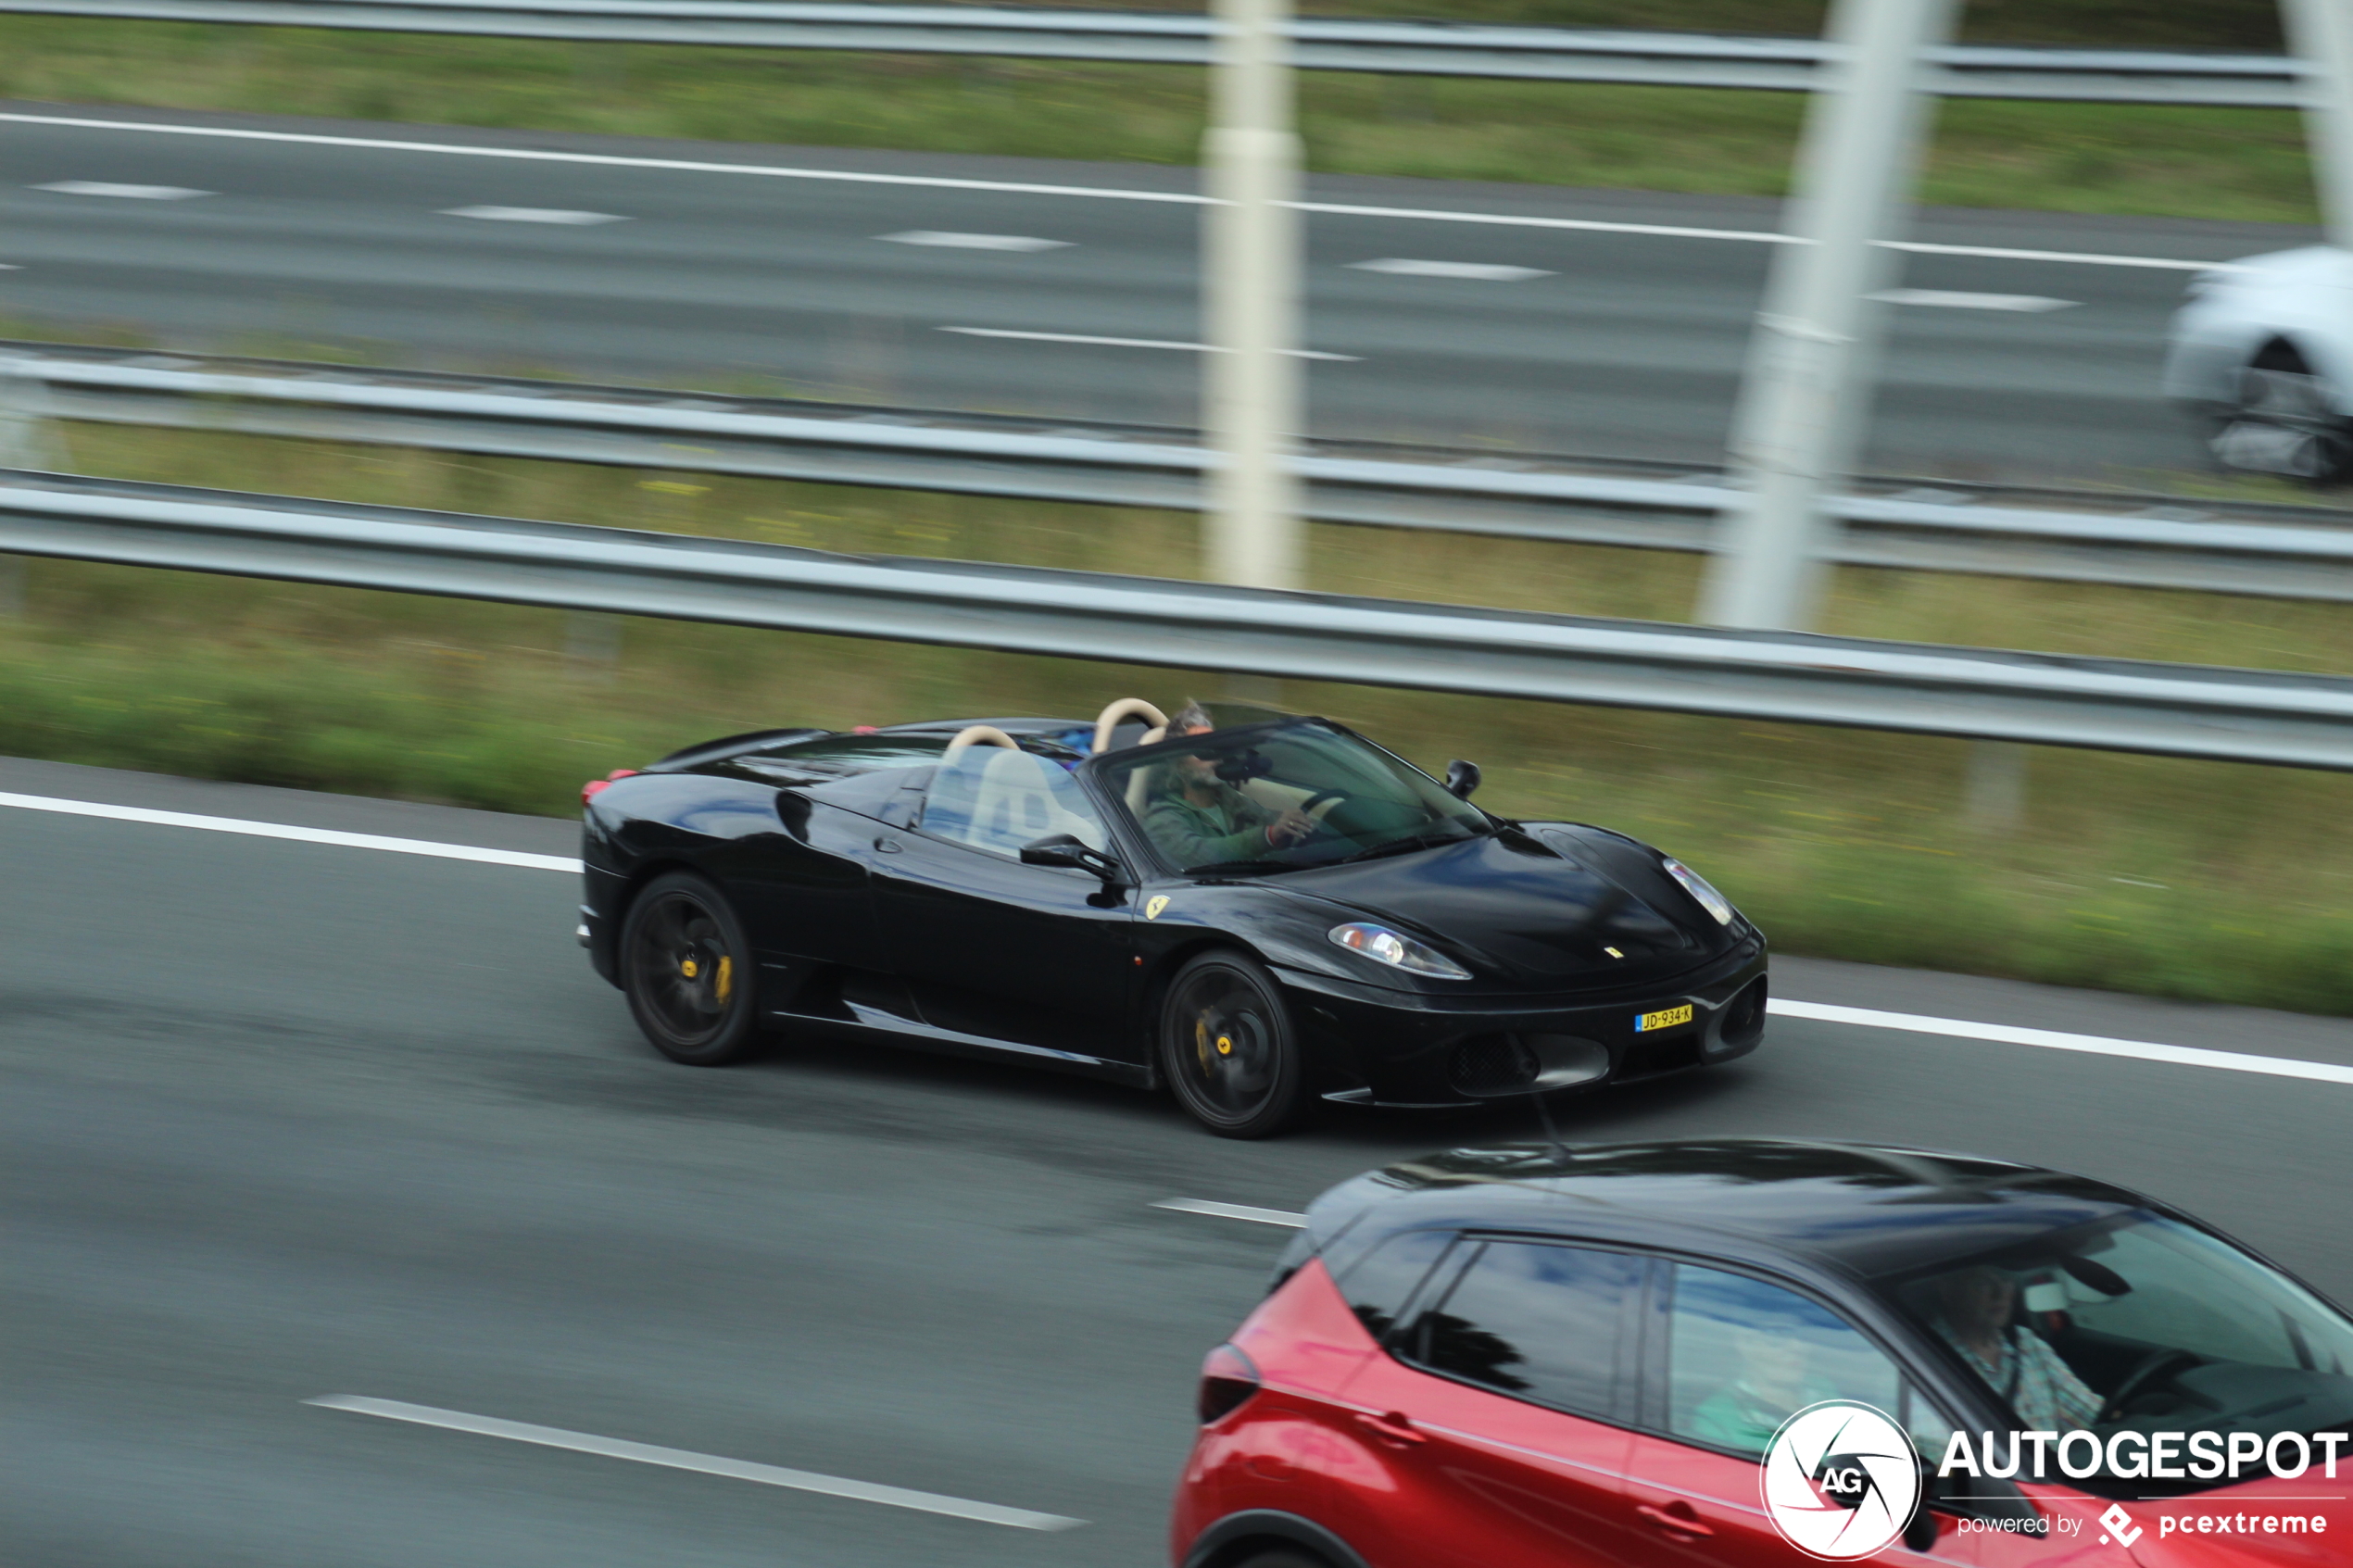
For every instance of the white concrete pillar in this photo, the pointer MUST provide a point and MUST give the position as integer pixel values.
(1250, 414)
(24, 443)
(2320, 33)
(1798, 430)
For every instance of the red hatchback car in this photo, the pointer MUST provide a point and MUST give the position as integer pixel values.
(1580, 1359)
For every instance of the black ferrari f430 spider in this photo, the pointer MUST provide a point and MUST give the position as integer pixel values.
(1253, 915)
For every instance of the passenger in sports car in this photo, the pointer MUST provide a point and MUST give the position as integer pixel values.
(1198, 818)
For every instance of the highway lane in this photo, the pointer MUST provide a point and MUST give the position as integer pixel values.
(285, 1120)
(1613, 343)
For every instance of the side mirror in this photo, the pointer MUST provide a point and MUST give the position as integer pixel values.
(1461, 778)
(1920, 1531)
(1064, 852)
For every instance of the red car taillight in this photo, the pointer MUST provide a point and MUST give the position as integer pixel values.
(1228, 1380)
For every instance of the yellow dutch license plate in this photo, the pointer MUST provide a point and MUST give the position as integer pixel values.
(1644, 1023)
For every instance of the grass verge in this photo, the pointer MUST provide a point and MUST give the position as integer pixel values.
(2076, 157)
(2207, 881)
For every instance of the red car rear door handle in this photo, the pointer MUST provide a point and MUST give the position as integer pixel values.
(1392, 1428)
(1676, 1519)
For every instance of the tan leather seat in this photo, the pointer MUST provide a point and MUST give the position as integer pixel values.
(1017, 799)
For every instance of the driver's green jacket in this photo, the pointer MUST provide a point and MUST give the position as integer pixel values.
(1231, 827)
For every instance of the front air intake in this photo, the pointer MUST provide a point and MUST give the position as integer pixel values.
(1490, 1065)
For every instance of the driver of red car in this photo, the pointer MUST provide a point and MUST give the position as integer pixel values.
(1978, 1305)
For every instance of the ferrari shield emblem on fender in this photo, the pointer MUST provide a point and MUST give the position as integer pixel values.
(1154, 905)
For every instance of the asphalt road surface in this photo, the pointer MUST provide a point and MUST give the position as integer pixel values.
(291, 1119)
(1597, 341)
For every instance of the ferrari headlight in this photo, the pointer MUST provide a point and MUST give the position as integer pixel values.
(1715, 903)
(1380, 943)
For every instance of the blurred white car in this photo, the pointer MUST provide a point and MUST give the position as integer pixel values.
(2263, 353)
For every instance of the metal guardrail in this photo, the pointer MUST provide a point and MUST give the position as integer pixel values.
(2180, 710)
(2135, 540)
(1412, 48)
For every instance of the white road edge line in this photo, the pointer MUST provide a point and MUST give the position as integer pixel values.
(1752, 236)
(708, 1465)
(1823, 1012)
(1182, 198)
(306, 836)
(2052, 1039)
(1283, 1217)
(604, 160)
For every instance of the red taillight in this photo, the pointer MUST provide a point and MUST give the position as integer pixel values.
(594, 787)
(1228, 1380)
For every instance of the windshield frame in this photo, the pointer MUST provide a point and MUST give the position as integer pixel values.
(1101, 778)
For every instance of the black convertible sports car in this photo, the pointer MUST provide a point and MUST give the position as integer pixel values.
(1252, 914)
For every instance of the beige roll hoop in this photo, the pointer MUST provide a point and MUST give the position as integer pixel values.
(981, 735)
(1127, 708)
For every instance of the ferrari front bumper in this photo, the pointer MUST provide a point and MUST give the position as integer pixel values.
(1369, 1045)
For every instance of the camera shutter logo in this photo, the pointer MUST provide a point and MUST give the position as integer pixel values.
(1840, 1481)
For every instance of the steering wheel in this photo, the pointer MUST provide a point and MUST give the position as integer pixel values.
(2151, 1367)
(1320, 797)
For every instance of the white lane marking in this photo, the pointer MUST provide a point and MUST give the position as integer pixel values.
(945, 239)
(306, 836)
(1283, 1217)
(1133, 343)
(9, 267)
(708, 1465)
(1472, 271)
(127, 193)
(2052, 1039)
(1958, 299)
(1182, 198)
(532, 215)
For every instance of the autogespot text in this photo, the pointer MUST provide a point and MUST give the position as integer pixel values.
(2135, 1456)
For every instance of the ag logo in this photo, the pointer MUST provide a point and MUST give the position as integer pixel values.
(1840, 1481)
(1154, 905)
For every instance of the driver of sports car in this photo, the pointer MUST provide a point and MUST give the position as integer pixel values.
(1198, 818)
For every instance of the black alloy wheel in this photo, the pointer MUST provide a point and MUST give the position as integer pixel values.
(1228, 1047)
(688, 972)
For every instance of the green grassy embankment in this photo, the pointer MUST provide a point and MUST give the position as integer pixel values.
(2111, 159)
(2208, 881)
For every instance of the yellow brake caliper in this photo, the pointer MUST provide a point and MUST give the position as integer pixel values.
(726, 978)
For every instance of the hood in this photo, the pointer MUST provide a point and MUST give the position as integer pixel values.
(1534, 907)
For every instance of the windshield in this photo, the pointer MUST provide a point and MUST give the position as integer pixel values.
(2144, 1326)
(1263, 799)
